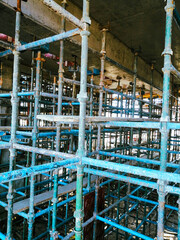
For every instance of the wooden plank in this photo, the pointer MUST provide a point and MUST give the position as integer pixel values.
(44, 197)
(89, 119)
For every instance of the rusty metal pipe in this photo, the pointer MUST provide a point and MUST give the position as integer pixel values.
(19, 5)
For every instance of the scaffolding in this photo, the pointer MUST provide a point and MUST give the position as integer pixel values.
(116, 148)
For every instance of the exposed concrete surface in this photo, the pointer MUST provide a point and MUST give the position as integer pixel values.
(116, 50)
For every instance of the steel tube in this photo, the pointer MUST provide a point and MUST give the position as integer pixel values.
(175, 72)
(178, 218)
(43, 151)
(176, 17)
(20, 94)
(153, 125)
(98, 147)
(2, 236)
(165, 115)
(144, 160)
(78, 83)
(114, 176)
(44, 41)
(39, 169)
(54, 38)
(53, 233)
(82, 115)
(145, 172)
(134, 233)
(14, 123)
(34, 139)
(60, 10)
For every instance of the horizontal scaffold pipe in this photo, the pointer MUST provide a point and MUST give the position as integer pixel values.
(35, 170)
(67, 80)
(175, 72)
(2, 236)
(154, 149)
(42, 151)
(102, 212)
(150, 124)
(4, 145)
(51, 95)
(144, 160)
(130, 97)
(136, 181)
(54, 38)
(20, 94)
(119, 177)
(44, 41)
(177, 17)
(144, 172)
(152, 202)
(128, 230)
(60, 10)
(40, 135)
(40, 213)
(173, 125)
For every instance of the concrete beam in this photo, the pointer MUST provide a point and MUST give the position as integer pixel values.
(116, 50)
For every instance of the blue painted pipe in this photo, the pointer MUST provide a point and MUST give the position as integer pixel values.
(152, 202)
(81, 137)
(2, 236)
(54, 38)
(44, 41)
(38, 214)
(132, 180)
(20, 94)
(14, 123)
(39, 169)
(144, 220)
(144, 160)
(151, 125)
(71, 104)
(165, 116)
(145, 172)
(176, 17)
(128, 230)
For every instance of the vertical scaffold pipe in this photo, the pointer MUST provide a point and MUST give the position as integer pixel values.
(150, 108)
(72, 111)
(54, 100)
(165, 114)
(134, 83)
(31, 88)
(30, 124)
(151, 91)
(91, 113)
(90, 130)
(103, 56)
(54, 233)
(82, 96)
(34, 140)
(134, 96)
(14, 118)
(60, 80)
(50, 185)
(178, 218)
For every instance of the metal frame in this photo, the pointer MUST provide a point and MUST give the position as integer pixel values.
(104, 161)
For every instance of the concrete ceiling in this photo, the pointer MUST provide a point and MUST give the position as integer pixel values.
(140, 24)
(137, 23)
